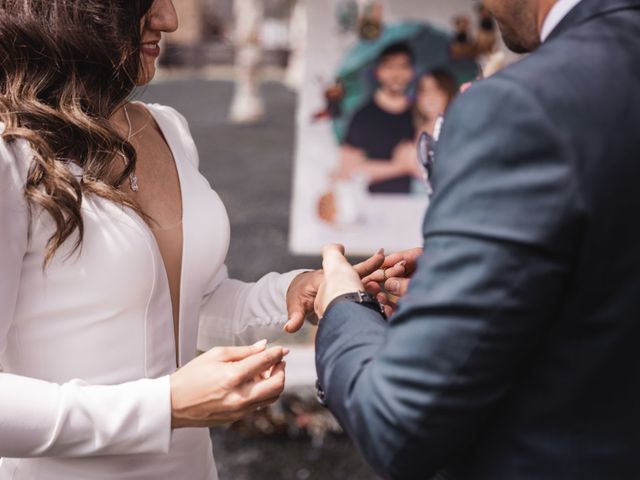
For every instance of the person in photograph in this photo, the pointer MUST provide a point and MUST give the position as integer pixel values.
(436, 91)
(514, 352)
(382, 127)
(112, 261)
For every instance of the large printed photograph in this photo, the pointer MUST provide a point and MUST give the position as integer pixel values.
(378, 74)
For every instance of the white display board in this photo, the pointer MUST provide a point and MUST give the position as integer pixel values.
(391, 221)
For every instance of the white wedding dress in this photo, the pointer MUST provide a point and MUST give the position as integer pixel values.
(86, 346)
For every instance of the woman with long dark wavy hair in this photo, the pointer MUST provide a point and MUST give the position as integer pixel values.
(112, 249)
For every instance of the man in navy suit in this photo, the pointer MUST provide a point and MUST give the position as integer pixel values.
(514, 353)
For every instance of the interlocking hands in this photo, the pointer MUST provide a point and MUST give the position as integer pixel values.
(304, 289)
(386, 277)
(225, 384)
(391, 281)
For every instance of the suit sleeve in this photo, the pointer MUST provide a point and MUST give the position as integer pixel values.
(74, 419)
(500, 240)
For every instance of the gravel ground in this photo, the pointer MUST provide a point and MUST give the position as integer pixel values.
(281, 458)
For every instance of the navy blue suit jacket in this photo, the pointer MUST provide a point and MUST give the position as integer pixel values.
(516, 353)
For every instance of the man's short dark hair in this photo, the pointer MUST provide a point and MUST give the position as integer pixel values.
(400, 48)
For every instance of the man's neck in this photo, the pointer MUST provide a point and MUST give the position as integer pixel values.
(391, 102)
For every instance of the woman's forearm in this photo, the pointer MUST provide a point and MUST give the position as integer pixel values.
(241, 313)
(75, 419)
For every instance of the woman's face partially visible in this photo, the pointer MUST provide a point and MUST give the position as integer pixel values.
(432, 100)
(161, 18)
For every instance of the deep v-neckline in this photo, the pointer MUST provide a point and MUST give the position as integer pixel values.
(178, 167)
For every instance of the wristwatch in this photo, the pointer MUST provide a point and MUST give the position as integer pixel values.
(363, 298)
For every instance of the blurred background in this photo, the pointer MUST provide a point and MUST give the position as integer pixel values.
(235, 69)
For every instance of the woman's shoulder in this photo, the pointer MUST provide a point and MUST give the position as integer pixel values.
(167, 113)
(172, 123)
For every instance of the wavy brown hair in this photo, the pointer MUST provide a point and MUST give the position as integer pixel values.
(65, 67)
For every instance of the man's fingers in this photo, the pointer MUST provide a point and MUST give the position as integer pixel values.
(374, 277)
(235, 354)
(382, 298)
(388, 302)
(373, 288)
(397, 286)
(370, 265)
(255, 365)
(393, 259)
(410, 256)
(383, 274)
(397, 270)
(296, 321)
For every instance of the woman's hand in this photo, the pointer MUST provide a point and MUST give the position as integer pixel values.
(225, 384)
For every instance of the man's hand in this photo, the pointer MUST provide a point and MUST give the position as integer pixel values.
(370, 265)
(304, 288)
(339, 278)
(394, 276)
(300, 298)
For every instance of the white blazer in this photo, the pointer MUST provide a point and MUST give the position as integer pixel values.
(86, 346)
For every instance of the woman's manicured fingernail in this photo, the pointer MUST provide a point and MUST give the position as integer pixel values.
(394, 286)
(380, 252)
(261, 343)
(285, 352)
(402, 263)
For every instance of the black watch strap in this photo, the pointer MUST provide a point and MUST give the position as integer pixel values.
(363, 298)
